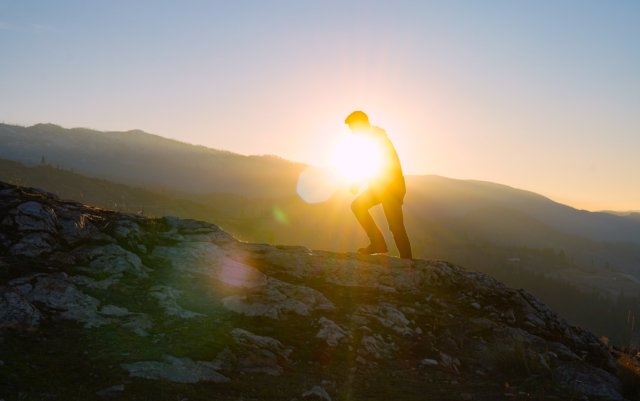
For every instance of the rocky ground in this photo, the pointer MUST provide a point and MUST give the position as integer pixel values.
(96, 304)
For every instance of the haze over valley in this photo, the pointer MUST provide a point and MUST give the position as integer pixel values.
(577, 261)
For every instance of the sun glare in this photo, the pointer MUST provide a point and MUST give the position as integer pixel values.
(356, 158)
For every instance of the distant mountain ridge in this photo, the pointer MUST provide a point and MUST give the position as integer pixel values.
(464, 196)
(151, 161)
(635, 215)
(136, 158)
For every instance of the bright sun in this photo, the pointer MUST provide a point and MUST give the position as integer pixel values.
(357, 158)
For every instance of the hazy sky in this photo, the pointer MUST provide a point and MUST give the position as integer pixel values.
(540, 95)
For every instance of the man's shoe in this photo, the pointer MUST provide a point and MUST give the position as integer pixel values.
(373, 249)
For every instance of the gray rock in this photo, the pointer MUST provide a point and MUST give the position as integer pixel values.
(562, 351)
(331, 332)
(509, 345)
(126, 230)
(112, 310)
(194, 227)
(167, 298)
(247, 338)
(379, 272)
(75, 225)
(179, 370)
(374, 346)
(129, 233)
(96, 284)
(316, 393)
(16, 312)
(449, 363)
(252, 353)
(111, 392)
(509, 316)
(33, 244)
(112, 258)
(57, 293)
(210, 259)
(277, 299)
(32, 216)
(261, 296)
(138, 323)
(589, 380)
(387, 315)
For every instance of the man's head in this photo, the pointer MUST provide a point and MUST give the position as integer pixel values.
(357, 120)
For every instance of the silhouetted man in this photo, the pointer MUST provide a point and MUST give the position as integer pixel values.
(387, 187)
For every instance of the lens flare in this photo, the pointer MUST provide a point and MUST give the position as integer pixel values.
(280, 216)
(356, 159)
(316, 185)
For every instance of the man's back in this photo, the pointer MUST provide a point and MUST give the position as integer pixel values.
(391, 178)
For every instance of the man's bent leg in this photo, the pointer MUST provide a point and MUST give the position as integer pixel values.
(393, 211)
(360, 207)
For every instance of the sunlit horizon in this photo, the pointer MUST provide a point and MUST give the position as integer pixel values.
(464, 90)
(323, 170)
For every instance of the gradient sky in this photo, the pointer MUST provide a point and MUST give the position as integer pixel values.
(540, 95)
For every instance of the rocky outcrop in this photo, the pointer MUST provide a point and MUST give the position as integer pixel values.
(178, 370)
(16, 312)
(118, 305)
